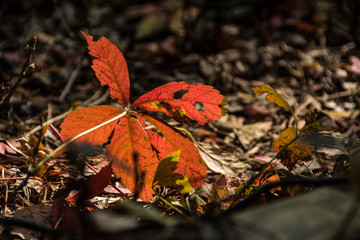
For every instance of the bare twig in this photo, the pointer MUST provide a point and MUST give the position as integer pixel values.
(50, 121)
(26, 71)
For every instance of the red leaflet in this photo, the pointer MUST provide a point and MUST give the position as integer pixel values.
(85, 118)
(129, 138)
(110, 68)
(183, 108)
(191, 164)
(99, 181)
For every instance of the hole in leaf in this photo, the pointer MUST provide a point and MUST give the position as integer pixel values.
(199, 106)
(179, 94)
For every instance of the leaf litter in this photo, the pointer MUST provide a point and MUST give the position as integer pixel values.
(316, 76)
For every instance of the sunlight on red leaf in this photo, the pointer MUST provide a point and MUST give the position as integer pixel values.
(110, 68)
(165, 175)
(132, 148)
(85, 118)
(191, 164)
(184, 109)
(129, 138)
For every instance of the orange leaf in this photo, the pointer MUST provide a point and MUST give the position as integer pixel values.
(272, 96)
(190, 164)
(110, 68)
(179, 100)
(85, 118)
(267, 176)
(298, 150)
(129, 138)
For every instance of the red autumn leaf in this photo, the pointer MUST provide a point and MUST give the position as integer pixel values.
(110, 68)
(95, 186)
(180, 99)
(268, 175)
(85, 118)
(129, 138)
(191, 164)
(98, 182)
(65, 216)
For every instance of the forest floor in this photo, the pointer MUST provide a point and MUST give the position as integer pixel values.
(308, 52)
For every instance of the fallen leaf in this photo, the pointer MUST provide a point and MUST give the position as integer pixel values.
(165, 175)
(272, 96)
(298, 150)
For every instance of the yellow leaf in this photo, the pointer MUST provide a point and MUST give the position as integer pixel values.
(272, 96)
(298, 150)
(165, 175)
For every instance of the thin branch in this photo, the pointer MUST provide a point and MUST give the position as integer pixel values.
(26, 71)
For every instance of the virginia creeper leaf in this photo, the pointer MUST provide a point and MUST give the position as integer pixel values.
(191, 164)
(85, 118)
(272, 96)
(129, 138)
(165, 175)
(298, 150)
(134, 151)
(110, 68)
(183, 108)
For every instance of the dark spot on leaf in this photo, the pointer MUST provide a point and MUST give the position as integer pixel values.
(182, 118)
(199, 106)
(179, 94)
(165, 105)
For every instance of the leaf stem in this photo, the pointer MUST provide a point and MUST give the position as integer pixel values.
(53, 153)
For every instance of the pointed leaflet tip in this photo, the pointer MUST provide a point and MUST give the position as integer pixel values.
(110, 68)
